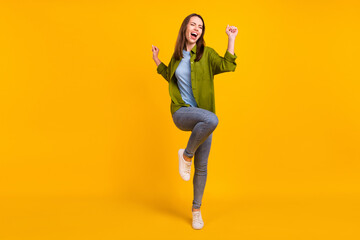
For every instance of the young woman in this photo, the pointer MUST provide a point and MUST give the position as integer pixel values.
(190, 74)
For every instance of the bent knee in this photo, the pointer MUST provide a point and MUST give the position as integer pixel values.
(213, 121)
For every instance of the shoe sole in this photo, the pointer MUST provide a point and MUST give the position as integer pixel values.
(197, 228)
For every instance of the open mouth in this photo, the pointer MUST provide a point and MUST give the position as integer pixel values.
(194, 35)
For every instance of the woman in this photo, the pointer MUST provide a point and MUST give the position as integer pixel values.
(190, 74)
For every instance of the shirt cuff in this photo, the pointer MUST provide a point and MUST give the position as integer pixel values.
(161, 68)
(228, 56)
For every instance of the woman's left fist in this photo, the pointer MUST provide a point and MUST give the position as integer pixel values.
(231, 31)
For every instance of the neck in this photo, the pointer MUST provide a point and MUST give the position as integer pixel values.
(189, 46)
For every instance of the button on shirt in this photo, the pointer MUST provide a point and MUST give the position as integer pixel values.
(202, 77)
(183, 76)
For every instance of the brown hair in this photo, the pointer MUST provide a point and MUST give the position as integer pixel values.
(181, 39)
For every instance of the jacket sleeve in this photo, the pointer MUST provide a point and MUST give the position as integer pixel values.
(222, 64)
(163, 70)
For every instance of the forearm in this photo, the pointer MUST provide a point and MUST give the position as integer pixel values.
(231, 45)
(157, 61)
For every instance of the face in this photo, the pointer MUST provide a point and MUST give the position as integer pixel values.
(194, 27)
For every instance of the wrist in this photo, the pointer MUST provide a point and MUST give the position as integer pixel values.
(157, 61)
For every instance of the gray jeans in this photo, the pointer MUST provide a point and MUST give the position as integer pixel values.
(202, 123)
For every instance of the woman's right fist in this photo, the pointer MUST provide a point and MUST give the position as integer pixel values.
(155, 51)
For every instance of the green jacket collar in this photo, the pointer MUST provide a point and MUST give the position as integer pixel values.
(194, 49)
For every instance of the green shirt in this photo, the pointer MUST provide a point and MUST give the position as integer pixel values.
(202, 77)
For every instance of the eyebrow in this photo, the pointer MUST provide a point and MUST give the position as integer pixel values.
(195, 23)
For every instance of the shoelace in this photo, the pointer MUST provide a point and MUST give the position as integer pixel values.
(197, 217)
(187, 167)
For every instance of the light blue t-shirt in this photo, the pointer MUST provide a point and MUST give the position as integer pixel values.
(183, 75)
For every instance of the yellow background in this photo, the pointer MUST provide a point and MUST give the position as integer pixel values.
(88, 148)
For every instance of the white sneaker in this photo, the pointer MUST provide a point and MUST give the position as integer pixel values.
(184, 166)
(197, 221)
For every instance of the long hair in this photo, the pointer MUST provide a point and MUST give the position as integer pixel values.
(181, 39)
